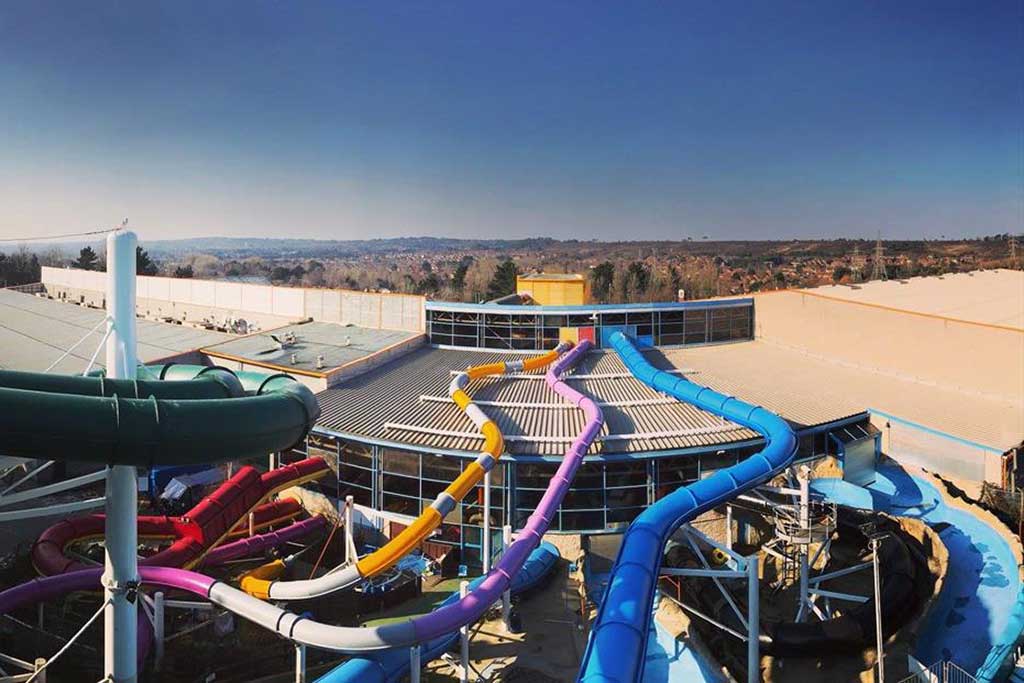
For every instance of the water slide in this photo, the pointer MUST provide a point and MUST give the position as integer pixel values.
(392, 666)
(354, 640)
(201, 529)
(617, 647)
(259, 582)
(191, 414)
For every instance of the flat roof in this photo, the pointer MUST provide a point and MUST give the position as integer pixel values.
(36, 331)
(553, 277)
(338, 344)
(801, 387)
(993, 297)
(406, 402)
(586, 309)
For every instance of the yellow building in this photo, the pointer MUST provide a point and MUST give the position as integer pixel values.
(554, 289)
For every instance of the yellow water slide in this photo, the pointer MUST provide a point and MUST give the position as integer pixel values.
(259, 582)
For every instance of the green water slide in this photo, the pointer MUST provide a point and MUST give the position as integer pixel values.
(187, 414)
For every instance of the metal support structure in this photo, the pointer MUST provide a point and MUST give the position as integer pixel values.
(805, 525)
(39, 667)
(272, 462)
(728, 527)
(350, 544)
(486, 550)
(753, 621)
(879, 638)
(158, 628)
(506, 597)
(121, 570)
(300, 663)
(464, 639)
(414, 664)
(741, 568)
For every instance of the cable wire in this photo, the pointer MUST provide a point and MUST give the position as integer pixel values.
(71, 642)
(58, 237)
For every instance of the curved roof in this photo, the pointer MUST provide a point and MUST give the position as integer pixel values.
(405, 402)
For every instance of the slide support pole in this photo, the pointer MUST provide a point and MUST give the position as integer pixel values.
(879, 644)
(350, 543)
(753, 622)
(805, 548)
(728, 527)
(506, 597)
(414, 664)
(158, 629)
(300, 663)
(121, 569)
(487, 522)
(464, 640)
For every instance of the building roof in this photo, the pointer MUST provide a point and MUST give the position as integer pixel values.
(553, 277)
(36, 331)
(338, 344)
(802, 387)
(406, 402)
(993, 297)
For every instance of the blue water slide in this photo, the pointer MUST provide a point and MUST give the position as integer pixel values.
(617, 647)
(390, 666)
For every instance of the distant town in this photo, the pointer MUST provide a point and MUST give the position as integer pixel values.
(473, 271)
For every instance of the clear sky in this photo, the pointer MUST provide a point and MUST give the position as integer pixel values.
(600, 120)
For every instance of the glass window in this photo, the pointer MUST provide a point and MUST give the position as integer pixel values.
(626, 473)
(631, 497)
(532, 475)
(400, 462)
(349, 474)
(354, 453)
(621, 517)
(586, 499)
(406, 486)
(579, 521)
(441, 468)
(401, 505)
(589, 476)
(696, 326)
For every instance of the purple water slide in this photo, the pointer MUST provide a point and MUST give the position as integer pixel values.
(52, 587)
(473, 606)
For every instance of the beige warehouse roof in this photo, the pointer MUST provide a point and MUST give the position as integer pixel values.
(802, 387)
(386, 404)
(994, 297)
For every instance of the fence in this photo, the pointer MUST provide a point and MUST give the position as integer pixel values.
(940, 672)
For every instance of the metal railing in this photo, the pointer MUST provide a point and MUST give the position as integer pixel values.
(941, 672)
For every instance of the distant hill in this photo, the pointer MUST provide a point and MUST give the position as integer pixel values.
(240, 247)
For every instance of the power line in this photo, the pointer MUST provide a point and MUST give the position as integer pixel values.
(57, 237)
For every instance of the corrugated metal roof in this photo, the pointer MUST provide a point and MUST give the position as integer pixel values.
(35, 331)
(376, 404)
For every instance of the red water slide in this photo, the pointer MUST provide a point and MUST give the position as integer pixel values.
(218, 516)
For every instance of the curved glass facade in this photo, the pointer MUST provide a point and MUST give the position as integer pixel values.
(533, 328)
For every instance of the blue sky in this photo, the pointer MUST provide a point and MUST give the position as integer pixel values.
(575, 120)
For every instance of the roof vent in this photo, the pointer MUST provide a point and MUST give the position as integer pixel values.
(320, 362)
